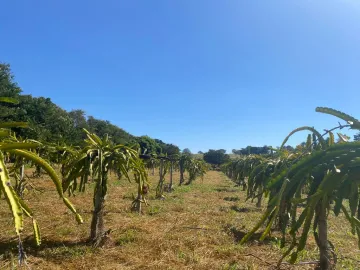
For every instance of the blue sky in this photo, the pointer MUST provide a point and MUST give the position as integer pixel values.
(200, 74)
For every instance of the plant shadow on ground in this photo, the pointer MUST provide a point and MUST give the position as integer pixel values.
(232, 199)
(254, 239)
(51, 250)
(226, 190)
(244, 209)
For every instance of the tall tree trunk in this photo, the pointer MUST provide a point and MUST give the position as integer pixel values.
(325, 263)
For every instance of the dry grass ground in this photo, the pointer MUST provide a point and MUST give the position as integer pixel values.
(195, 227)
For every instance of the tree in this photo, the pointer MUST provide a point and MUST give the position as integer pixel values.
(8, 88)
(263, 150)
(148, 145)
(216, 157)
(357, 137)
(170, 150)
(79, 121)
(47, 121)
(186, 151)
(102, 128)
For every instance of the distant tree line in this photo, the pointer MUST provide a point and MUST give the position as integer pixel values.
(49, 122)
(257, 150)
(216, 157)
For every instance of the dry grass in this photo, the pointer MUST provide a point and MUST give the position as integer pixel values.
(195, 227)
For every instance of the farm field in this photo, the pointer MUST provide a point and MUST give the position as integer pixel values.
(195, 227)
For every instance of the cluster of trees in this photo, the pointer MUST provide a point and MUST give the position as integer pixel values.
(252, 150)
(258, 150)
(48, 122)
(155, 146)
(216, 157)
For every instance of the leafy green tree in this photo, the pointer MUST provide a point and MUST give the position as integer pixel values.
(216, 157)
(148, 145)
(170, 150)
(47, 121)
(79, 121)
(252, 150)
(102, 128)
(8, 88)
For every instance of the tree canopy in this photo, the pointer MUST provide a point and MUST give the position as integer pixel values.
(216, 157)
(186, 151)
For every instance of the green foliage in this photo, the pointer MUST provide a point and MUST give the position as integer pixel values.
(196, 168)
(353, 122)
(148, 145)
(357, 137)
(18, 208)
(8, 88)
(96, 159)
(252, 150)
(321, 172)
(127, 237)
(105, 128)
(165, 164)
(170, 150)
(216, 157)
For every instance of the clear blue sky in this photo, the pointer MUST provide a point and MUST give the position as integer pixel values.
(197, 73)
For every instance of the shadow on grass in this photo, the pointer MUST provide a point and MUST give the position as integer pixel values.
(232, 199)
(48, 249)
(254, 239)
(244, 209)
(226, 190)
